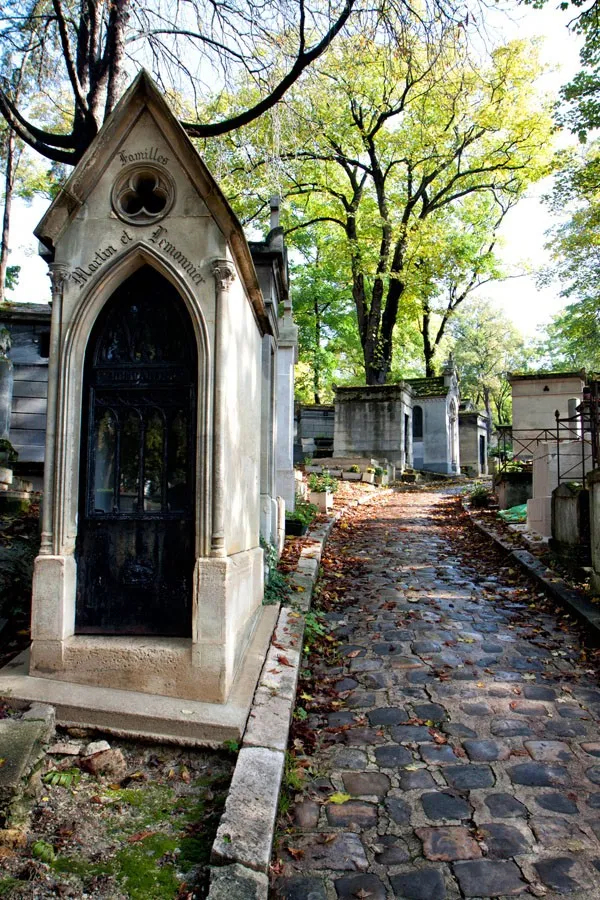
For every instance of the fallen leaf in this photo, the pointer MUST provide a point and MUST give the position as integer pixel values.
(283, 660)
(295, 852)
(339, 797)
(139, 836)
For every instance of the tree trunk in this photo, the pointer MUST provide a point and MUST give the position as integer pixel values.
(428, 348)
(316, 357)
(9, 184)
(487, 400)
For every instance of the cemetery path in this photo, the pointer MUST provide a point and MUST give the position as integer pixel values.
(464, 758)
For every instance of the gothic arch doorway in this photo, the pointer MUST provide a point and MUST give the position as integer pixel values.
(136, 541)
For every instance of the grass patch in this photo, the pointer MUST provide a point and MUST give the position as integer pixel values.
(8, 885)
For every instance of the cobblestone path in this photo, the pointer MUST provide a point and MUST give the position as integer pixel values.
(468, 740)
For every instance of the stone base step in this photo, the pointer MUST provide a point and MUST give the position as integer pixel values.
(148, 716)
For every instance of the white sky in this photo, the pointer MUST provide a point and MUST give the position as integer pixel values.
(523, 228)
(522, 231)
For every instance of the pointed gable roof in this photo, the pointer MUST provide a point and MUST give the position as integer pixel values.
(141, 96)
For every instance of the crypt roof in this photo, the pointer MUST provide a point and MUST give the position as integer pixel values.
(143, 96)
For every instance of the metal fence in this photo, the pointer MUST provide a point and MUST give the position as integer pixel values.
(517, 446)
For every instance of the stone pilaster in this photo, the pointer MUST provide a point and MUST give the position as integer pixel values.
(224, 274)
(58, 276)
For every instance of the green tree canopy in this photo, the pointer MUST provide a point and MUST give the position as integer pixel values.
(410, 158)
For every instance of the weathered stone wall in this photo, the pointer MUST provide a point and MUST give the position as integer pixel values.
(374, 421)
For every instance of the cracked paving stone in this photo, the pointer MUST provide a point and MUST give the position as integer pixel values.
(350, 886)
(421, 884)
(421, 647)
(503, 841)
(489, 878)
(348, 758)
(361, 737)
(592, 748)
(485, 751)
(476, 709)
(548, 751)
(354, 812)
(306, 814)
(387, 715)
(406, 662)
(433, 712)
(300, 888)
(423, 676)
(510, 728)
(527, 708)
(410, 781)
(360, 700)
(391, 756)
(398, 810)
(565, 728)
(388, 649)
(343, 717)
(573, 712)
(361, 784)
(505, 806)
(398, 637)
(557, 803)
(438, 754)
(555, 832)
(537, 774)
(390, 850)
(344, 852)
(555, 874)
(469, 777)
(538, 692)
(447, 843)
(365, 665)
(457, 729)
(444, 805)
(409, 733)
(378, 680)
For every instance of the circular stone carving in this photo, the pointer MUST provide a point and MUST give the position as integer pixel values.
(143, 194)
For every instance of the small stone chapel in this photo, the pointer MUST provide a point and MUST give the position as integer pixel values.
(170, 418)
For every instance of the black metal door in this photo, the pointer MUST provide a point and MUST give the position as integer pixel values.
(135, 544)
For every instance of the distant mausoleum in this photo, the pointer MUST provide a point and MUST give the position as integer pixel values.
(473, 429)
(435, 436)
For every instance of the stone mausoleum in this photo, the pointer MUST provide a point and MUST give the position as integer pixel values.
(165, 445)
(411, 424)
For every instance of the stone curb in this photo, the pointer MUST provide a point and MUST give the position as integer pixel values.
(241, 852)
(546, 578)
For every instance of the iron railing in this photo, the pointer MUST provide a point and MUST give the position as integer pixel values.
(517, 446)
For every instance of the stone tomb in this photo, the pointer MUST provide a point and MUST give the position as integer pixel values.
(150, 573)
(473, 435)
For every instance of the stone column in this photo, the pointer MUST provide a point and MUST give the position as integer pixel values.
(58, 275)
(268, 507)
(55, 572)
(224, 274)
(286, 357)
